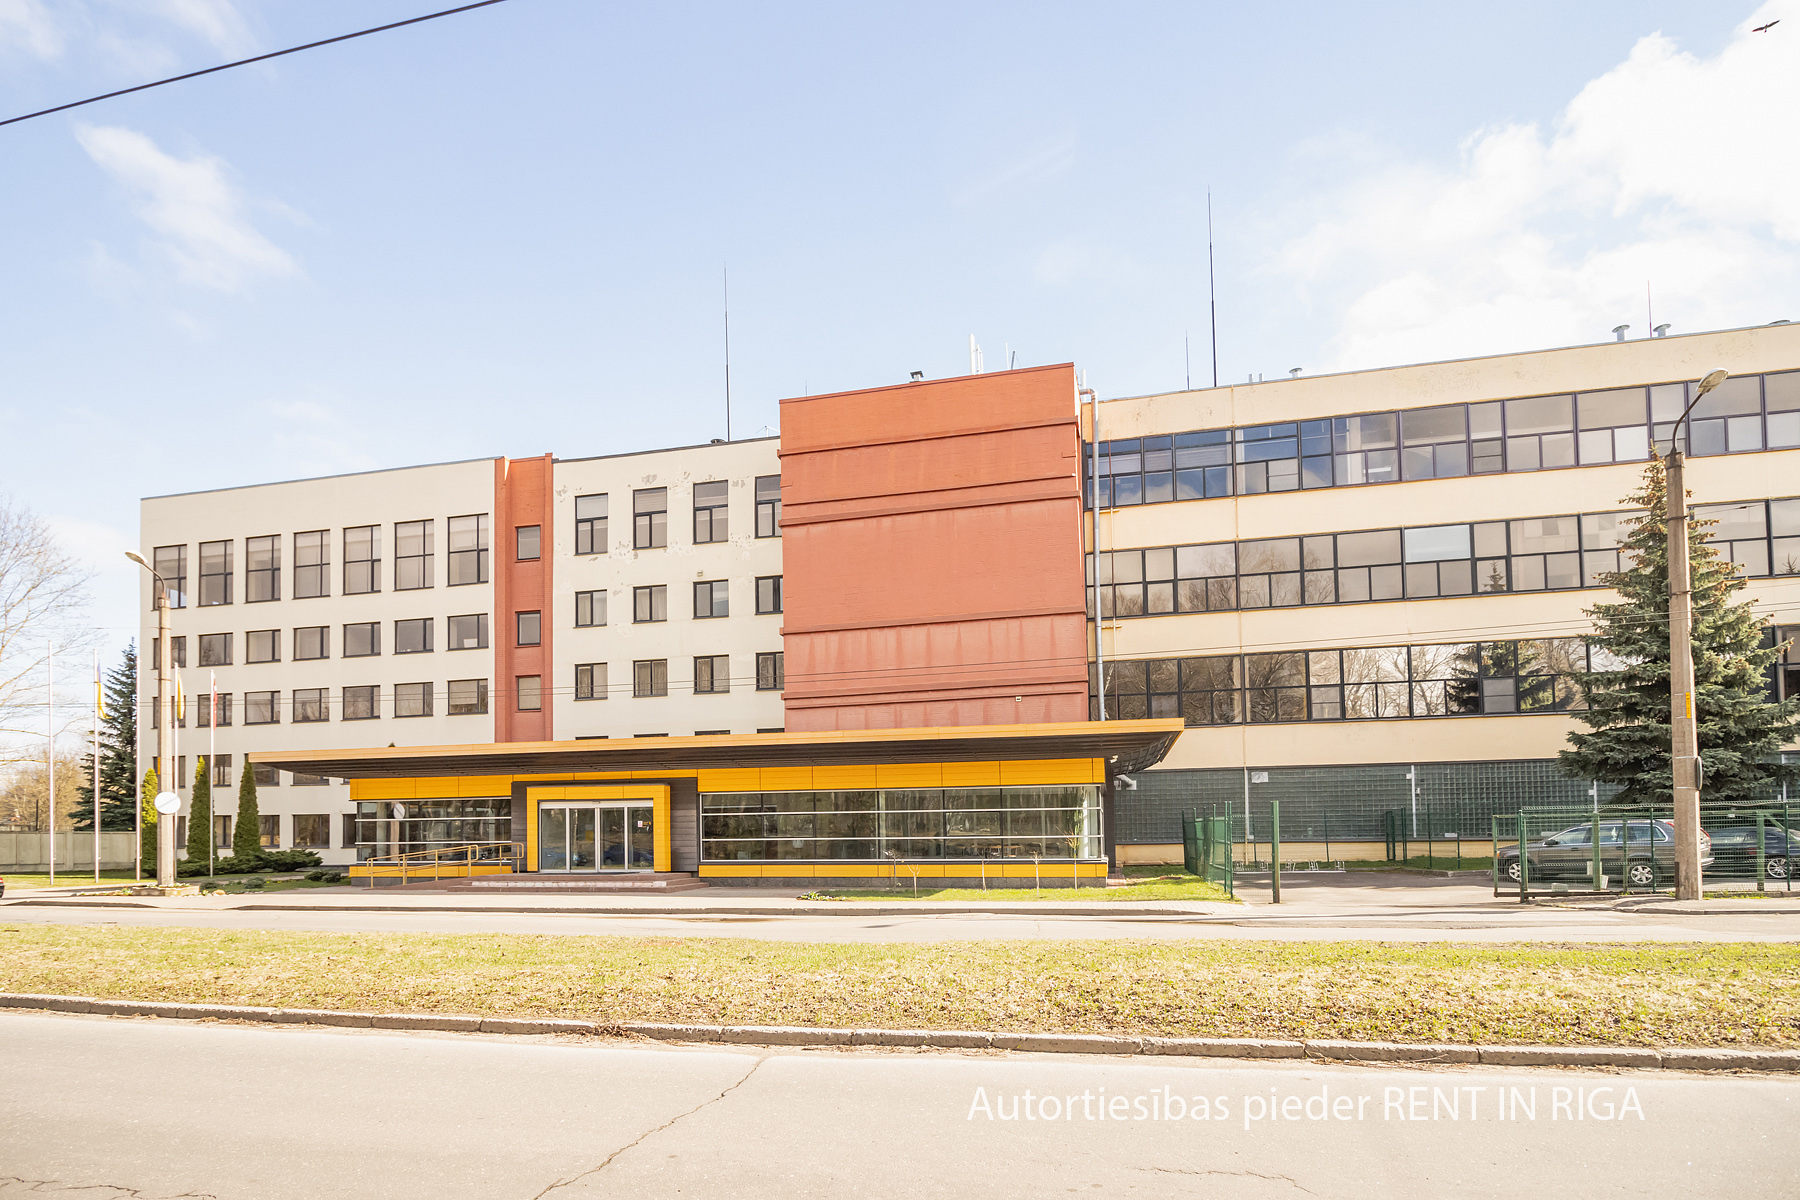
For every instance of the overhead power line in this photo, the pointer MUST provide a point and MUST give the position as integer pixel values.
(344, 37)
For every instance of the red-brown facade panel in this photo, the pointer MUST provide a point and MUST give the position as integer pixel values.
(932, 554)
(523, 489)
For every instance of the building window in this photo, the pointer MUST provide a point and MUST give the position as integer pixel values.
(590, 609)
(262, 708)
(531, 693)
(312, 831)
(649, 518)
(269, 831)
(412, 555)
(712, 733)
(525, 542)
(650, 677)
(309, 705)
(712, 674)
(590, 524)
(771, 672)
(362, 639)
(302, 779)
(265, 775)
(312, 641)
(312, 564)
(171, 564)
(222, 832)
(712, 512)
(360, 703)
(262, 569)
(177, 652)
(468, 697)
(649, 603)
(768, 594)
(529, 628)
(712, 599)
(768, 506)
(262, 646)
(412, 700)
(469, 632)
(362, 560)
(205, 703)
(413, 637)
(590, 681)
(215, 573)
(468, 550)
(215, 650)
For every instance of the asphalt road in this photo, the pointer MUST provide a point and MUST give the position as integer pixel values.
(106, 1109)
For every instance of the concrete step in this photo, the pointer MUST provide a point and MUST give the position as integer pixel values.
(577, 884)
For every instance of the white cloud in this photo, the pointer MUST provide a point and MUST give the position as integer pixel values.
(192, 205)
(1669, 169)
(27, 24)
(215, 20)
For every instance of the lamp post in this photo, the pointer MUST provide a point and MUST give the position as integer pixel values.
(165, 722)
(1684, 739)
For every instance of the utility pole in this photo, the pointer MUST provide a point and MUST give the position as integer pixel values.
(1684, 749)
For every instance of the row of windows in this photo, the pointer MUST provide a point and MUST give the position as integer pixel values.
(222, 776)
(1536, 433)
(464, 697)
(1380, 682)
(650, 515)
(650, 603)
(1535, 554)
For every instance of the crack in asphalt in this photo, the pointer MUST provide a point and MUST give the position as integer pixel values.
(119, 1192)
(1288, 1179)
(649, 1133)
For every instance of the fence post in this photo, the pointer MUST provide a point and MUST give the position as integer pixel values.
(1524, 861)
(1275, 848)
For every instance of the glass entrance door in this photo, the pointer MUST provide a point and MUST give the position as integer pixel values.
(596, 837)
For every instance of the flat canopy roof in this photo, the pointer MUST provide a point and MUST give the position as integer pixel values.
(1127, 745)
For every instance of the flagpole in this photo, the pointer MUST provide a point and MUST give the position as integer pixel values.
(212, 756)
(96, 766)
(50, 748)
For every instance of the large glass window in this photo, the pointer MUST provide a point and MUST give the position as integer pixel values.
(412, 555)
(1436, 442)
(649, 518)
(215, 650)
(412, 700)
(527, 543)
(468, 549)
(649, 603)
(768, 594)
(590, 608)
(1540, 433)
(262, 569)
(771, 672)
(590, 681)
(312, 564)
(262, 708)
(1056, 821)
(1612, 426)
(312, 641)
(362, 639)
(262, 646)
(360, 703)
(309, 705)
(468, 632)
(171, 563)
(215, 573)
(468, 697)
(711, 511)
(412, 637)
(529, 627)
(768, 506)
(590, 524)
(362, 560)
(650, 677)
(712, 598)
(712, 674)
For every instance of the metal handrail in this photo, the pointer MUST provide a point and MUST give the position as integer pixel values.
(441, 856)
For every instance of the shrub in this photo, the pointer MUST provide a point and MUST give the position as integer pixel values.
(315, 876)
(289, 860)
(238, 864)
(253, 884)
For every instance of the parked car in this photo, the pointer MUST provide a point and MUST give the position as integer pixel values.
(1570, 853)
(2, 886)
(1734, 849)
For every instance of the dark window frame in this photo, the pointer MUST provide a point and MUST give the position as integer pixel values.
(712, 599)
(768, 506)
(712, 519)
(768, 595)
(650, 518)
(312, 579)
(362, 561)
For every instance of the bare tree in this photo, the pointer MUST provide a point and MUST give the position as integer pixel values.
(43, 599)
(24, 800)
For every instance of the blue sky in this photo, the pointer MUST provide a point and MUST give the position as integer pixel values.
(503, 232)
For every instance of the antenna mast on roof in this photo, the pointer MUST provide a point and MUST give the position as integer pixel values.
(728, 354)
(1212, 290)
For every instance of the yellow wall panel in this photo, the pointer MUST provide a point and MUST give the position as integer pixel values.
(785, 779)
(909, 775)
(976, 774)
(844, 778)
(381, 789)
(484, 785)
(744, 779)
(1047, 771)
(731, 869)
(436, 786)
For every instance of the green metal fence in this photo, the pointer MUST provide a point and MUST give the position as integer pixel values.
(1626, 850)
(1206, 843)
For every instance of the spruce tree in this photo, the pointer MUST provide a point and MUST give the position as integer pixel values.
(1741, 730)
(118, 753)
(147, 839)
(246, 839)
(199, 838)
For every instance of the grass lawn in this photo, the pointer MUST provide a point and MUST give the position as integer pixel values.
(1686, 994)
(1147, 883)
(77, 878)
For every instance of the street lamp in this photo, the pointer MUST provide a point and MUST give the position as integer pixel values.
(1684, 738)
(165, 734)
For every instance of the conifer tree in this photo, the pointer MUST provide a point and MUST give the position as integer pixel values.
(1741, 729)
(147, 838)
(118, 753)
(246, 839)
(199, 838)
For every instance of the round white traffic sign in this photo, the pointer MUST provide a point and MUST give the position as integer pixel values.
(167, 802)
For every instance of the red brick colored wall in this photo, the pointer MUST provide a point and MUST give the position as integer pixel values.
(522, 496)
(932, 554)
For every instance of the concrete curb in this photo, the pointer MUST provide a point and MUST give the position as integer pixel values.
(1116, 908)
(1671, 1058)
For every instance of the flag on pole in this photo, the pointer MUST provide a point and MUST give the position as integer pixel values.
(180, 700)
(99, 691)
